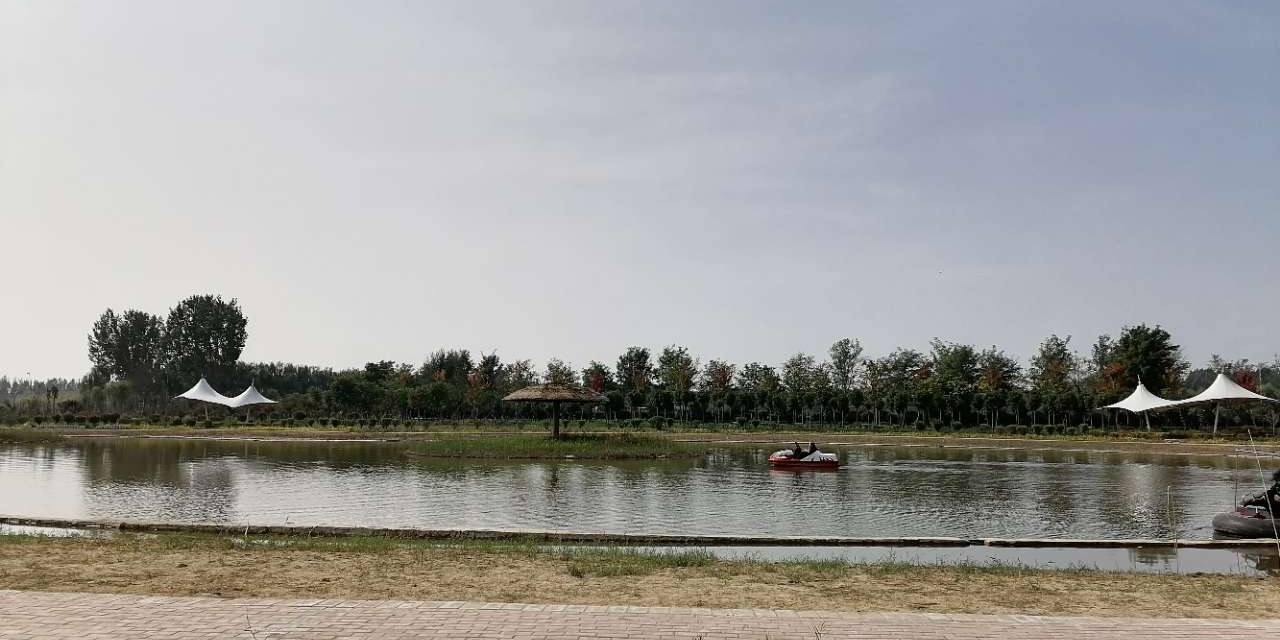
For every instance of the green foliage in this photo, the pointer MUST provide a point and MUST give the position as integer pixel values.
(802, 373)
(598, 377)
(560, 372)
(635, 370)
(203, 336)
(845, 357)
(1147, 354)
(677, 371)
(30, 436)
(759, 378)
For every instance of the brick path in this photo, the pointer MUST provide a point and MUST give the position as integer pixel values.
(32, 615)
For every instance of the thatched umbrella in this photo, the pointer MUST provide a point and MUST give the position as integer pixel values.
(555, 393)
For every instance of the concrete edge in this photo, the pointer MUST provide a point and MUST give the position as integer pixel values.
(617, 538)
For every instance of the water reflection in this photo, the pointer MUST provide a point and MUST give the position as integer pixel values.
(880, 491)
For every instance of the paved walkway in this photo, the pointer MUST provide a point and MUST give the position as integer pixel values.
(32, 615)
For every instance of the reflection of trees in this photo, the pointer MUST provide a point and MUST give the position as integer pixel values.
(181, 479)
(1153, 556)
(1263, 560)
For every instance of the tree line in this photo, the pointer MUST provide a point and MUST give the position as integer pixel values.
(139, 361)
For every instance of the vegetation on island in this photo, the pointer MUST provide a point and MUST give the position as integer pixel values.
(587, 446)
(140, 361)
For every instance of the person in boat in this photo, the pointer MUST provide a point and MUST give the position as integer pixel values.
(1268, 500)
(796, 452)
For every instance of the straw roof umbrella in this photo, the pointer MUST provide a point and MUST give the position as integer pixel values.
(555, 393)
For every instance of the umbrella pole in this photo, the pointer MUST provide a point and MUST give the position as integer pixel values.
(555, 420)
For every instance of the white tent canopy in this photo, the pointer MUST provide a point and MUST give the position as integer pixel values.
(1141, 400)
(1223, 388)
(250, 396)
(204, 393)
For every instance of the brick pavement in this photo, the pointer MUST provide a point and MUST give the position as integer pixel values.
(49, 616)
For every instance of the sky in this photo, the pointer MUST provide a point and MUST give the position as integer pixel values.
(378, 180)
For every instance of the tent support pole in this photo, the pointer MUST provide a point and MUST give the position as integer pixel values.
(1147, 415)
(1217, 409)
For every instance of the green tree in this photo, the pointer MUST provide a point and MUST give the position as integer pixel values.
(518, 375)
(451, 366)
(846, 355)
(635, 370)
(1054, 366)
(756, 378)
(1149, 354)
(204, 336)
(598, 377)
(129, 348)
(997, 371)
(717, 377)
(802, 373)
(677, 370)
(560, 372)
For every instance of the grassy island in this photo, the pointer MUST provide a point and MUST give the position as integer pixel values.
(24, 435)
(594, 446)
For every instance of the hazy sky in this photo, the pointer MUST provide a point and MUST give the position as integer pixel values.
(375, 180)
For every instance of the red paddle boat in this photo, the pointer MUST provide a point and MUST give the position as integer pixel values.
(798, 458)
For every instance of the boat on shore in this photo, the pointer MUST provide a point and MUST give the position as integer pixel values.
(796, 458)
(1244, 522)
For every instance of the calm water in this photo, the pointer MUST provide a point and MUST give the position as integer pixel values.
(881, 491)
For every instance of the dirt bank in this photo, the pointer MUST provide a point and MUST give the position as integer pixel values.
(381, 569)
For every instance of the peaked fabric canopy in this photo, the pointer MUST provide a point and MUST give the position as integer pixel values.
(250, 396)
(1222, 389)
(1141, 400)
(204, 393)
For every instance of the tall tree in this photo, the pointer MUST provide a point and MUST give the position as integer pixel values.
(635, 370)
(677, 370)
(758, 377)
(518, 375)
(128, 347)
(846, 354)
(489, 371)
(560, 372)
(955, 366)
(598, 377)
(717, 377)
(451, 366)
(204, 336)
(1149, 354)
(801, 373)
(1053, 366)
(997, 371)
(104, 347)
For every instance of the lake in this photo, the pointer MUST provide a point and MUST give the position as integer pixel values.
(880, 490)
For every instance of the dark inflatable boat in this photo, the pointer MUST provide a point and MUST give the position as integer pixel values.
(1246, 523)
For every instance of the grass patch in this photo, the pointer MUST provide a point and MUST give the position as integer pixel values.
(594, 446)
(605, 563)
(21, 435)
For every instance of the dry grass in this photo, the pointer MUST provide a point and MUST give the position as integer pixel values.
(394, 569)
